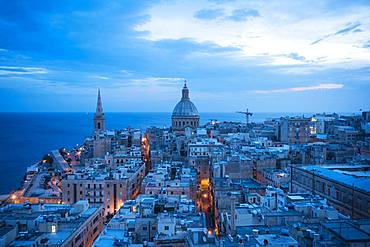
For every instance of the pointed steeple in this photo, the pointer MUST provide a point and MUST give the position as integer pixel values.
(99, 106)
(99, 119)
(185, 91)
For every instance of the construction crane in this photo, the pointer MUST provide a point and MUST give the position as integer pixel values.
(247, 114)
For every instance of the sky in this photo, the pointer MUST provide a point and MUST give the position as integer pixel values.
(268, 56)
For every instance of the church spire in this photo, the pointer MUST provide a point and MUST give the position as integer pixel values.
(185, 91)
(99, 119)
(99, 106)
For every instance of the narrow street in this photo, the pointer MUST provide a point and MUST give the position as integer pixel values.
(205, 202)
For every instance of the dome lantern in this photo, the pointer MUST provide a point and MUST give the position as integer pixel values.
(185, 91)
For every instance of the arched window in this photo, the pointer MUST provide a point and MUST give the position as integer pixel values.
(99, 126)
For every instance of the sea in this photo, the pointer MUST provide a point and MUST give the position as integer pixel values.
(26, 137)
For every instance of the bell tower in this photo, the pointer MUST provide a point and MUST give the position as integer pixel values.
(99, 119)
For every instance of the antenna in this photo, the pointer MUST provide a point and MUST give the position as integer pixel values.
(247, 114)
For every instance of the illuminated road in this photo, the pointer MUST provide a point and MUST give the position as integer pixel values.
(145, 149)
(205, 202)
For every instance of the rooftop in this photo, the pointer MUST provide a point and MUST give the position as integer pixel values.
(347, 231)
(340, 173)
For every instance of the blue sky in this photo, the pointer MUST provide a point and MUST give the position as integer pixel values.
(269, 56)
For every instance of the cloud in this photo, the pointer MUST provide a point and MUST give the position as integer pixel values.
(126, 72)
(243, 14)
(296, 56)
(322, 86)
(188, 46)
(16, 70)
(349, 27)
(209, 14)
(284, 28)
(99, 77)
(155, 82)
(147, 48)
(367, 44)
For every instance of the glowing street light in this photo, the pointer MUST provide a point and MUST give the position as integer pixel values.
(13, 197)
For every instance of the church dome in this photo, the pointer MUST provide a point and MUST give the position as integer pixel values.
(185, 108)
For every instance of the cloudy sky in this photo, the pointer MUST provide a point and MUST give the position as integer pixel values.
(269, 56)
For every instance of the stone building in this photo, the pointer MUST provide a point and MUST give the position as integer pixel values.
(185, 114)
(294, 130)
(345, 186)
(100, 187)
(52, 225)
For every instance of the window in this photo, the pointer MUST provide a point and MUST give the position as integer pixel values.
(166, 228)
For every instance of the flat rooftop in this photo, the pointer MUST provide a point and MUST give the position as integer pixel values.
(345, 174)
(274, 239)
(347, 232)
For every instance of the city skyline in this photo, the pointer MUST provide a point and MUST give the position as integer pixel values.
(186, 123)
(269, 57)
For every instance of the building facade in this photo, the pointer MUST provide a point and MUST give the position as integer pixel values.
(342, 185)
(109, 189)
(295, 130)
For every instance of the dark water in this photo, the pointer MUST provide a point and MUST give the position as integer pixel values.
(26, 137)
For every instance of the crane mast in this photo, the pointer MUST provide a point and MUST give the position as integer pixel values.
(247, 114)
